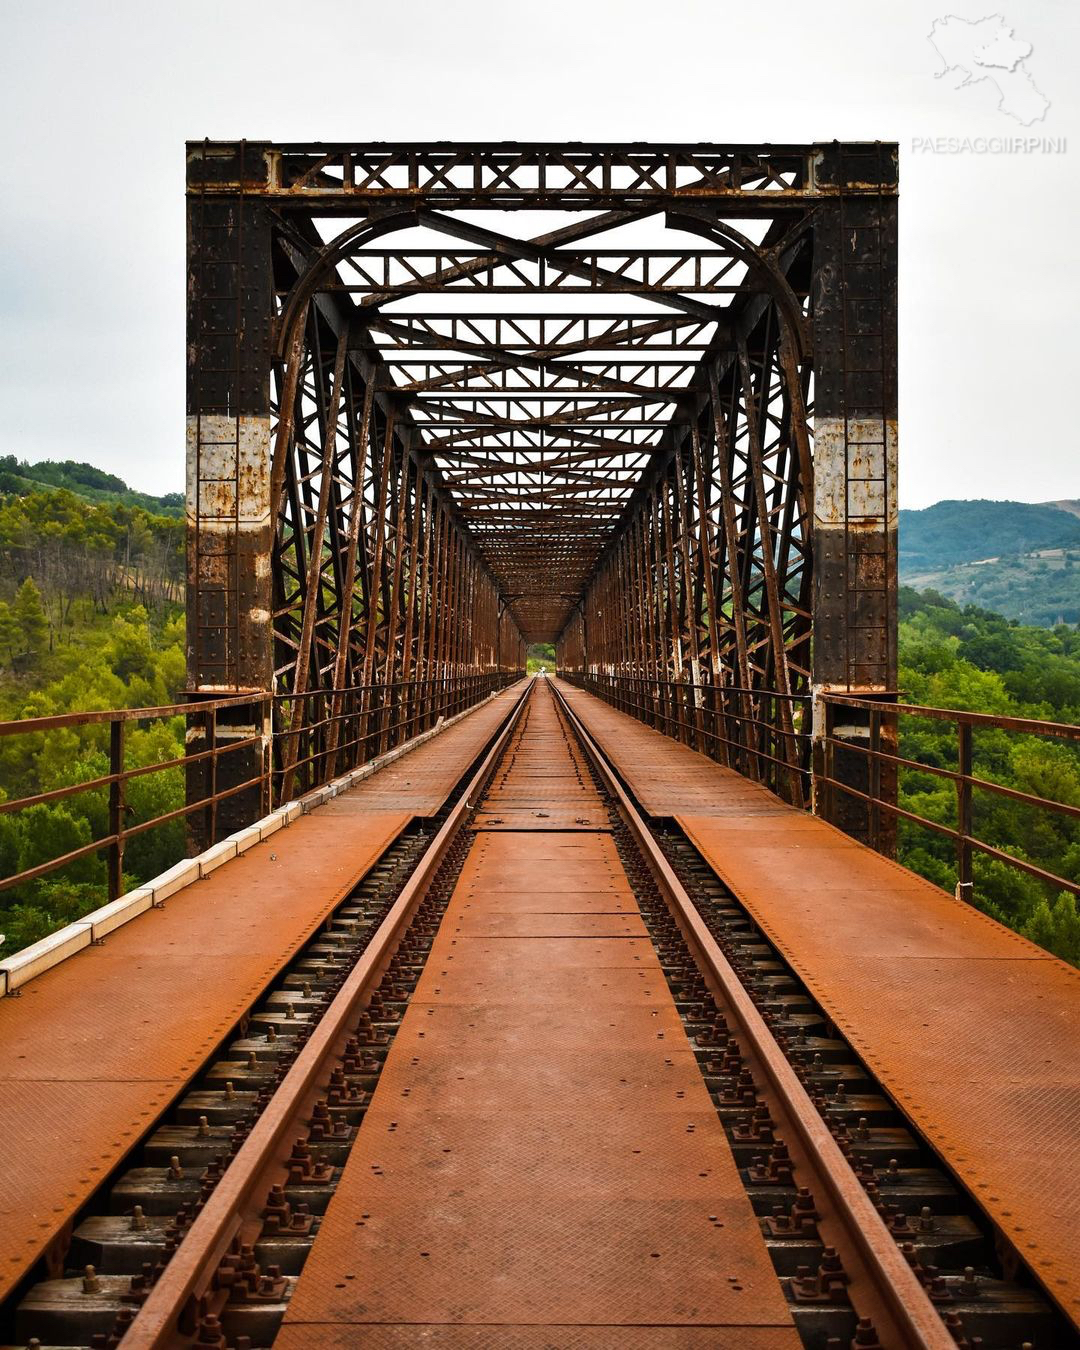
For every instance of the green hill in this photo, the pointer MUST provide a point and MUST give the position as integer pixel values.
(1020, 559)
(93, 484)
(954, 532)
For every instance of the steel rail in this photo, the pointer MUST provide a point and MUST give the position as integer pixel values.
(167, 1317)
(883, 1285)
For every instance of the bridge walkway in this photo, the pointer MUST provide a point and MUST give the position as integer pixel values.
(95, 1048)
(541, 1163)
(972, 1030)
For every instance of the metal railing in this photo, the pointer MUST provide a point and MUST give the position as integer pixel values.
(118, 721)
(342, 729)
(338, 732)
(766, 736)
(877, 746)
(762, 734)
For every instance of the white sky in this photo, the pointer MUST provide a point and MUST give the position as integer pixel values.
(98, 97)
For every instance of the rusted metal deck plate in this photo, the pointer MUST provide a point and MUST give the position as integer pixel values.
(974, 1031)
(422, 779)
(664, 776)
(541, 1164)
(94, 1049)
(331, 1336)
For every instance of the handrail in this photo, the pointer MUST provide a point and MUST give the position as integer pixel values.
(1001, 721)
(874, 745)
(20, 726)
(382, 716)
(742, 729)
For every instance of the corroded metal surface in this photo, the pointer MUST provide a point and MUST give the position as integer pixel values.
(195, 1290)
(337, 1336)
(108, 1038)
(970, 1028)
(422, 780)
(667, 777)
(541, 1151)
(634, 479)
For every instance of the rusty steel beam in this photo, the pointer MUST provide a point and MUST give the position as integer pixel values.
(228, 497)
(641, 482)
(340, 178)
(855, 503)
(305, 518)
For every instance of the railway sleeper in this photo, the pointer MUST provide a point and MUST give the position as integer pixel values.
(935, 1225)
(926, 1211)
(938, 1227)
(122, 1243)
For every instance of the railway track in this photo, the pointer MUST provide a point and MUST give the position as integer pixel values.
(261, 1116)
(204, 1237)
(772, 1032)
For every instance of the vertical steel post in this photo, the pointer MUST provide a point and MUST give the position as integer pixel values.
(229, 518)
(855, 447)
(964, 818)
(117, 808)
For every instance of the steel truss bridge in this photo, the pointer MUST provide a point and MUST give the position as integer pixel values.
(549, 1012)
(447, 400)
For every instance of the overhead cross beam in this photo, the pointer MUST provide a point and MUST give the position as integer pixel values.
(598, 428)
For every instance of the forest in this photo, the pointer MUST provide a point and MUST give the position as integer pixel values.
(964, 532)
(1032, 575)
(954, 656)
(95, 485)
(90, 618)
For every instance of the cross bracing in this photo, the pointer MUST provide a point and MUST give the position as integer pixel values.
(589, 376)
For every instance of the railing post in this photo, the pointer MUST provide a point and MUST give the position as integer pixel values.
(210, 777)
(873, 823)
(823, 758)
(116, 808)
(266, 793)
(964, 819)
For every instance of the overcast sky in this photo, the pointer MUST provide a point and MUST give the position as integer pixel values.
(98, 98)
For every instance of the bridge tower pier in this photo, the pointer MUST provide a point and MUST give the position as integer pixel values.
(229, 510)
(854, 312)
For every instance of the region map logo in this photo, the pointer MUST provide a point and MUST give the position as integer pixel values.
(988, 49)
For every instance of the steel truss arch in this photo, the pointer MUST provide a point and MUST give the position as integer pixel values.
(680, 484)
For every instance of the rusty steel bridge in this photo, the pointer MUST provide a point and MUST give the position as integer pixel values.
(580, 1011)
(656, 425)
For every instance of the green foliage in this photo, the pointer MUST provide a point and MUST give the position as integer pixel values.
(87, 621)
(540, 656)
(19, 477)
(1058, 928)
(967, 531)
(127, 659)
(31, 626)
(1031, 574)
(969, 658)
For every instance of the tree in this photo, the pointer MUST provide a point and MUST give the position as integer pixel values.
(9, 632)
(29, 615)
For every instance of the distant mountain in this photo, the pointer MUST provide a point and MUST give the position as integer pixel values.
(961, 532)
(1020, 559)
(95, 485)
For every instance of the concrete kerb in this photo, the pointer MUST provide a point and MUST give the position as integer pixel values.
(23, 966)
